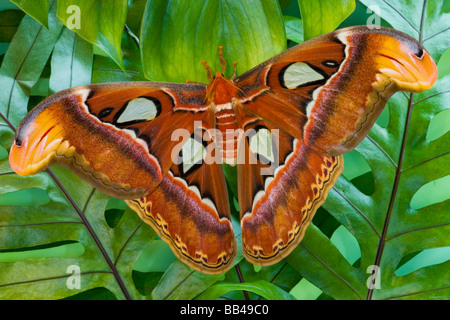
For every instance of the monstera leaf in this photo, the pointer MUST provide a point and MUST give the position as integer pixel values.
(56, 210)
(54, 225)
(383, 226)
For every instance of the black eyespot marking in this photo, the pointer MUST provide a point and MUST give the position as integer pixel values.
(420, 53)
(105, 112)
(281, 75)
(157, 104)
(330, 63)
(145, 138)
(91, 94)
(337, 40)
(18, 142)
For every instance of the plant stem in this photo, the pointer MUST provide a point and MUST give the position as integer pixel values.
(91, 231)
(241, 279)
(398, 171)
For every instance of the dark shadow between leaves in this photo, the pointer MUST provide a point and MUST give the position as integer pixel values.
(60, 249)
(93, 294)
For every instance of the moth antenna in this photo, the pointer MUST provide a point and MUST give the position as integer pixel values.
(222, 59)
(208, 70)
(234, 71)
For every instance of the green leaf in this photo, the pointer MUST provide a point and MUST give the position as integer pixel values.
(73, 55)
(305, 290)
(135, 14)
(180, 282)
(173, 48)
(424, 258)
(320, 261)
(54, 220)
(38, 9)
(433, 30)
(323, 16)
(99, 22)
(61, 224)
(157, 257)
(284, 3)
(106, 70)
(280, 274)
(444, 64)
(263, 288)
(23, 64)
(9, 22)
(294, 28)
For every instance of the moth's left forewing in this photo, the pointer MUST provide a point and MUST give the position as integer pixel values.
(117, 136)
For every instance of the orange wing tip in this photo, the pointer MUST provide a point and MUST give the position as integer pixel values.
(35, 152)
(409, 71)
(425, 74)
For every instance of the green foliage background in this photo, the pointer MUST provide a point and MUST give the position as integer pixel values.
(390, 205)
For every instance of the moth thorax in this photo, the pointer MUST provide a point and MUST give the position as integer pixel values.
(221, 90)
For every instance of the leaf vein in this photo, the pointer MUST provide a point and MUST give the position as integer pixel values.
(331, 270)
(437, 33)
(401, 15)
(417, 292)
(416, 230)
(431, 96)
(37, 224)
(126, 242)
(49, 278)
(357, 210)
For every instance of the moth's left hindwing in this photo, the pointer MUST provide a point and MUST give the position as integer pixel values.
(190, 211)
